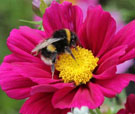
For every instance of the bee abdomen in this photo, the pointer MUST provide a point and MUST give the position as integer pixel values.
(46, 53)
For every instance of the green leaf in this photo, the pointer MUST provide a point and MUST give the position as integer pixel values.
(110, 111)
(32, 22)
(43, 6)
(36, 11)
(41, 28)
(98, 111)
(92, 112)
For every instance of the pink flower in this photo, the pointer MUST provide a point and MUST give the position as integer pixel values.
(25, 76)
(84, 4)
(129, 106)
(117, 16)
(122, 68)
(90, 2)
(36, 3)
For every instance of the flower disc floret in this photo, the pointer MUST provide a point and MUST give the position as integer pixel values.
(78, 70)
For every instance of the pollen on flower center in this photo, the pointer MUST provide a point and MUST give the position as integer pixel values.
(78, 71)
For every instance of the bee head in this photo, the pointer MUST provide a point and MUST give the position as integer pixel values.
(74, 39)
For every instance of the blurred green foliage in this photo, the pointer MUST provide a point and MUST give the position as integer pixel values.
(11, 11)
(125, 7)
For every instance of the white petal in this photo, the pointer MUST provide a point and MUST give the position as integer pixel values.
(84, 109)
(76, 111)
(69, 113)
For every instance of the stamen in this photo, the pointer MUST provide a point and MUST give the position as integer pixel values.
(78, 71)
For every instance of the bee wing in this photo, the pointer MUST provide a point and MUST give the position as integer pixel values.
(45, 43)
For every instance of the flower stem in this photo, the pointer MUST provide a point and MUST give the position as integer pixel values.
(98, 111)
(92, 112)
(31, 22)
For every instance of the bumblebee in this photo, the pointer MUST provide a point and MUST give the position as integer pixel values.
(60, 42)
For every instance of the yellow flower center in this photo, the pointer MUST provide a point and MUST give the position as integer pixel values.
(79, 70)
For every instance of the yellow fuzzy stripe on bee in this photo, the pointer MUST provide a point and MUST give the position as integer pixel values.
(51, 48)
(68, 33)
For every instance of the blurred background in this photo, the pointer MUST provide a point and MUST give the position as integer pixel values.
(11, 11)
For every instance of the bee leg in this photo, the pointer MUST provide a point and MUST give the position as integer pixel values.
(36, 53)
(67, 49)
(52, 69)
(53, 62)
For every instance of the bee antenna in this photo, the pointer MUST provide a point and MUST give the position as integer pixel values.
(70, 52)
(72, 56)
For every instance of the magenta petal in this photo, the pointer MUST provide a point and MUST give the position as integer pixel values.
(122, 68)
(33, 35)
(122, 111)
(130, 104)
(22, 41)
(32, 70)
(92, 97)
(107, 91)
(60, 16)
(13, 83)
(111, 87)
(123, 37)
(108, 73)
(49, 87)
(63, 98)
(17, 88)
(130, 54)
(115, 52)
(42, 88)
(40, 104)
(71, 97)
(24, 38)
(19, 58)
(43, 80)
(97, 31)
(111, 58)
